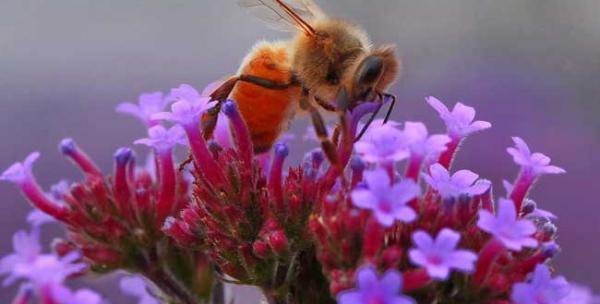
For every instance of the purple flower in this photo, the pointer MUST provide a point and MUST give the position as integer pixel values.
(27, 262)
(37, 218)
(383, 144)
(49, 269)
(64, 295)
(19, 173)
(137, 287)
(459, 122)
(148, 105)
(580, 295)
(388, 202)
(541, 288)
(185, 112)
(185, 92)
(514, 233)
(26, 248)
(459, 183)
(419, 143)
(439, 256)
(373, 289)
(536, 163)
(163, 139)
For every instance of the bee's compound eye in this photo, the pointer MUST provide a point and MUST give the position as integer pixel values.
(370, 70)
(332, 77)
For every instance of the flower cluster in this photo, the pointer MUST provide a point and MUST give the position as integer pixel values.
(452, 242)
(42, 275)
(116, 221)
(397, 225)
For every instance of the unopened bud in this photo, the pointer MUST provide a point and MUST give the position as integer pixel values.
(260, 249)
(278, 241)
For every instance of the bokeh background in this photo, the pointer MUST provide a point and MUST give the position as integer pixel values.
(531, 67)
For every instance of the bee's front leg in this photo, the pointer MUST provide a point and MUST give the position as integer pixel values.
(320, 128)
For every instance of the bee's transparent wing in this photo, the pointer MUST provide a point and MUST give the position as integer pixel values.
(286, 15)
(311, 7)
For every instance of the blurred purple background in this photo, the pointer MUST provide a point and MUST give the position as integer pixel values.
(531, 67)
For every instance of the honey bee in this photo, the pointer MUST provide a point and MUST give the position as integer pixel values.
(328, 59)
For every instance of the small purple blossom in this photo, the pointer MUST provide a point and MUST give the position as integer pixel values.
(373, 289)
(461, 182)
(581, 295)
(37, 218)
(185, 92)
(20, 172)
(28, 263)
(419, 143)
(514, 233)
(459, 122)
(536, 163)
(64, 295)
(185, 112)
(438, 256)
(541, 288)
(383, 144)
(388, 202)
(148, 105)
(163, 139)
(26, 248)
(137, 287)
(49, 269)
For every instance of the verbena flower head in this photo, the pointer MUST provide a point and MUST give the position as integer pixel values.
(300, 232)
(387, 202)
(148, 105)
(373, 289)
(42, 275)
(459, 122)
(514, 233)
(536, 163)
(439, 256)
(461, 182)
(541, 288)
(384, 144)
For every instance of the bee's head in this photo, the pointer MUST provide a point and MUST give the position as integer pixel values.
(340, 55)
(326, 61)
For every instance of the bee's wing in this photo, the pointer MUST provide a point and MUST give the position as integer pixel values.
(287, 15)
(312, 7)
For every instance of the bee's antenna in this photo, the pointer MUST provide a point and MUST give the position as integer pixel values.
(391, 108)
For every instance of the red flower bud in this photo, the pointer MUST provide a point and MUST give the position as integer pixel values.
(278, 241)
(260, 249)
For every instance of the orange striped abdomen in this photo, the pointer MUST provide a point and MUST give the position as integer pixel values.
(266, 111)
